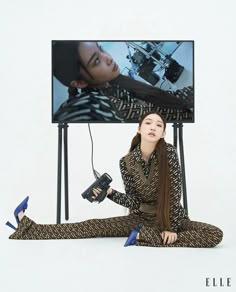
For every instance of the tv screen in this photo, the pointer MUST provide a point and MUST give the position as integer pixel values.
(119, 81)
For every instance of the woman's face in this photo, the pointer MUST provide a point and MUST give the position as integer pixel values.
(152, 128)
(100, 66)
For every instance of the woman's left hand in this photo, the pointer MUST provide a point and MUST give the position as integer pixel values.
(168, 237)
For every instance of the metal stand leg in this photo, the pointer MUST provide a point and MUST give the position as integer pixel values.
(62, 131)
(181, 150)
(178, 131)
(59, 174)
(66, 174)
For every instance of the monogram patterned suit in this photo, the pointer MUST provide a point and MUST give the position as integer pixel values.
(141, 188)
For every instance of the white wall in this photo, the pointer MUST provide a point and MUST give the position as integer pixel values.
(29, 140)
(28, 156)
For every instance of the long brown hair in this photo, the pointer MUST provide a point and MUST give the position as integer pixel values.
(163, 201)
(67, 64)
(149, 93)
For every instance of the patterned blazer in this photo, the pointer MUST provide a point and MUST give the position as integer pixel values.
(115, 104)
(141, 183)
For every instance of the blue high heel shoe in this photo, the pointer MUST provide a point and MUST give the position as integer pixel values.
(21, 207)
(131, 240)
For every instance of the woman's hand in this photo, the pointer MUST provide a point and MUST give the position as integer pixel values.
(97, 191)
(168, 237)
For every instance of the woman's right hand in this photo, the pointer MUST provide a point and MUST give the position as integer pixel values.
(97, 191)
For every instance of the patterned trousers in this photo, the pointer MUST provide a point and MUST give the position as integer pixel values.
(190, 233)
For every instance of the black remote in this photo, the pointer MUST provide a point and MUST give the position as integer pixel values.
(103, 182)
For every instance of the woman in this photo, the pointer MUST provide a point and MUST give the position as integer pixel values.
(153, 186)
(106, 95)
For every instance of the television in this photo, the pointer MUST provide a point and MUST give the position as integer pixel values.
(103, 81)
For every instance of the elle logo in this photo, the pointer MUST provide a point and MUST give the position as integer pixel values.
(218, 282)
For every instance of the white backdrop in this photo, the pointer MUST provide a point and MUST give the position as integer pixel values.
(29, 141)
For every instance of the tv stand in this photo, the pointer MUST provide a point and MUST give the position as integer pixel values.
(62, 135)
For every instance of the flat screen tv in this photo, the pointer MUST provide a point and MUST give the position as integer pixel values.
(118, 81)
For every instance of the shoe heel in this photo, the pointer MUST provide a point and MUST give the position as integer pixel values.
(10, 225)
(131, 240)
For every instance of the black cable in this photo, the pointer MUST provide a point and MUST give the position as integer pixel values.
(95, 173)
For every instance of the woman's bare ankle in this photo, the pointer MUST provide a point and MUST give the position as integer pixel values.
(21, 215)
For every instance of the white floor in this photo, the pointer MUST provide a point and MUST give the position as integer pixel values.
(105, 265)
